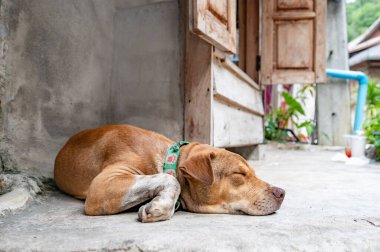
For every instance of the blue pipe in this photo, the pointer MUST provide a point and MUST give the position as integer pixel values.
(362, 92)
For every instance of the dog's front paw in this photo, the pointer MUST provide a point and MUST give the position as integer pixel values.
(153, 212)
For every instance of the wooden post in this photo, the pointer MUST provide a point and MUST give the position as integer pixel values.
(198, 85)
(252, 37)
(249, 26)
(333, 98)
(242, 33)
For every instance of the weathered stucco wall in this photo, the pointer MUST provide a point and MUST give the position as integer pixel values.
(67, 65)
(333, 98)
(146, 67)
(58, 58)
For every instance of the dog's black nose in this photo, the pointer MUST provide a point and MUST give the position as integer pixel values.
(278, 192)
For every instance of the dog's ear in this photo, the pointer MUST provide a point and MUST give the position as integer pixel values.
(199, 167)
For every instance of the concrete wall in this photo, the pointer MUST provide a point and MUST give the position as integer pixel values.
(58, 58)
(333, 98)
(67, 65)
(146, 89)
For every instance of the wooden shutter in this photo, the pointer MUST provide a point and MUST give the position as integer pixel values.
(215, 22)
(293, 41)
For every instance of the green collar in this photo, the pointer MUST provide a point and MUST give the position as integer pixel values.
(171, 159)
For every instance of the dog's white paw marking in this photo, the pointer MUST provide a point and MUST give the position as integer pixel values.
(164, 191)
(152, 212)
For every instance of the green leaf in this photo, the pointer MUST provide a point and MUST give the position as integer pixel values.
(304, 124)
(271, 125)
(309, 126)
(310, 129)
(311, 91)
(293, 103)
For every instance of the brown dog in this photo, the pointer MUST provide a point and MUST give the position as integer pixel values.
(120, 166)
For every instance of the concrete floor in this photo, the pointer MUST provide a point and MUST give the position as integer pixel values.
(328, 207)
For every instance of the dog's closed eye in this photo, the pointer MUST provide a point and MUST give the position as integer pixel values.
(237, 179)
(239, 173)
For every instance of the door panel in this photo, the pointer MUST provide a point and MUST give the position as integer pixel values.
(219, 9)
(215, 22)
(293, 41)
(295, 4)
(294, 53)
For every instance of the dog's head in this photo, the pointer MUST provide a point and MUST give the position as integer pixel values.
(218, 181)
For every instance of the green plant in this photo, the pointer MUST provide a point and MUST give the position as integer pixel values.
(273, 121)
(372, 122)
(360, 15)
(290, 111)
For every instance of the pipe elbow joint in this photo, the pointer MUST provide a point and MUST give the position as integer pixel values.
(346, 74)
(362, 78)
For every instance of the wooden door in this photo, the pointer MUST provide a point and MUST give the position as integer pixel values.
(215, 22)
(293, 41)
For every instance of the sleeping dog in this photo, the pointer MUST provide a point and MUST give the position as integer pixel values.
(116, 167)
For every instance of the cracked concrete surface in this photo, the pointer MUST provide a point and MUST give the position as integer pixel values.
(328, 207)
(16, 191)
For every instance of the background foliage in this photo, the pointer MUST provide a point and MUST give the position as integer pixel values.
(282, 119)
(360, 15)
(372, 122)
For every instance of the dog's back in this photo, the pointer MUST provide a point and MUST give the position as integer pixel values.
(86, 154)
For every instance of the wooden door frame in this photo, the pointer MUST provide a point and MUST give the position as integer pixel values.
(198, 73)
(197, 82)
(249, 37)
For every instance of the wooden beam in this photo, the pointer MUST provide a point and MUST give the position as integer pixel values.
(320, 42)
(293, 15)
(242, 33)
(236, 128)
(237, 71)
(252, 37)
(198, 90)
(229, 86)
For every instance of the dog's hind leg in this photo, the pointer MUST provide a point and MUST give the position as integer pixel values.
(114, 191)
